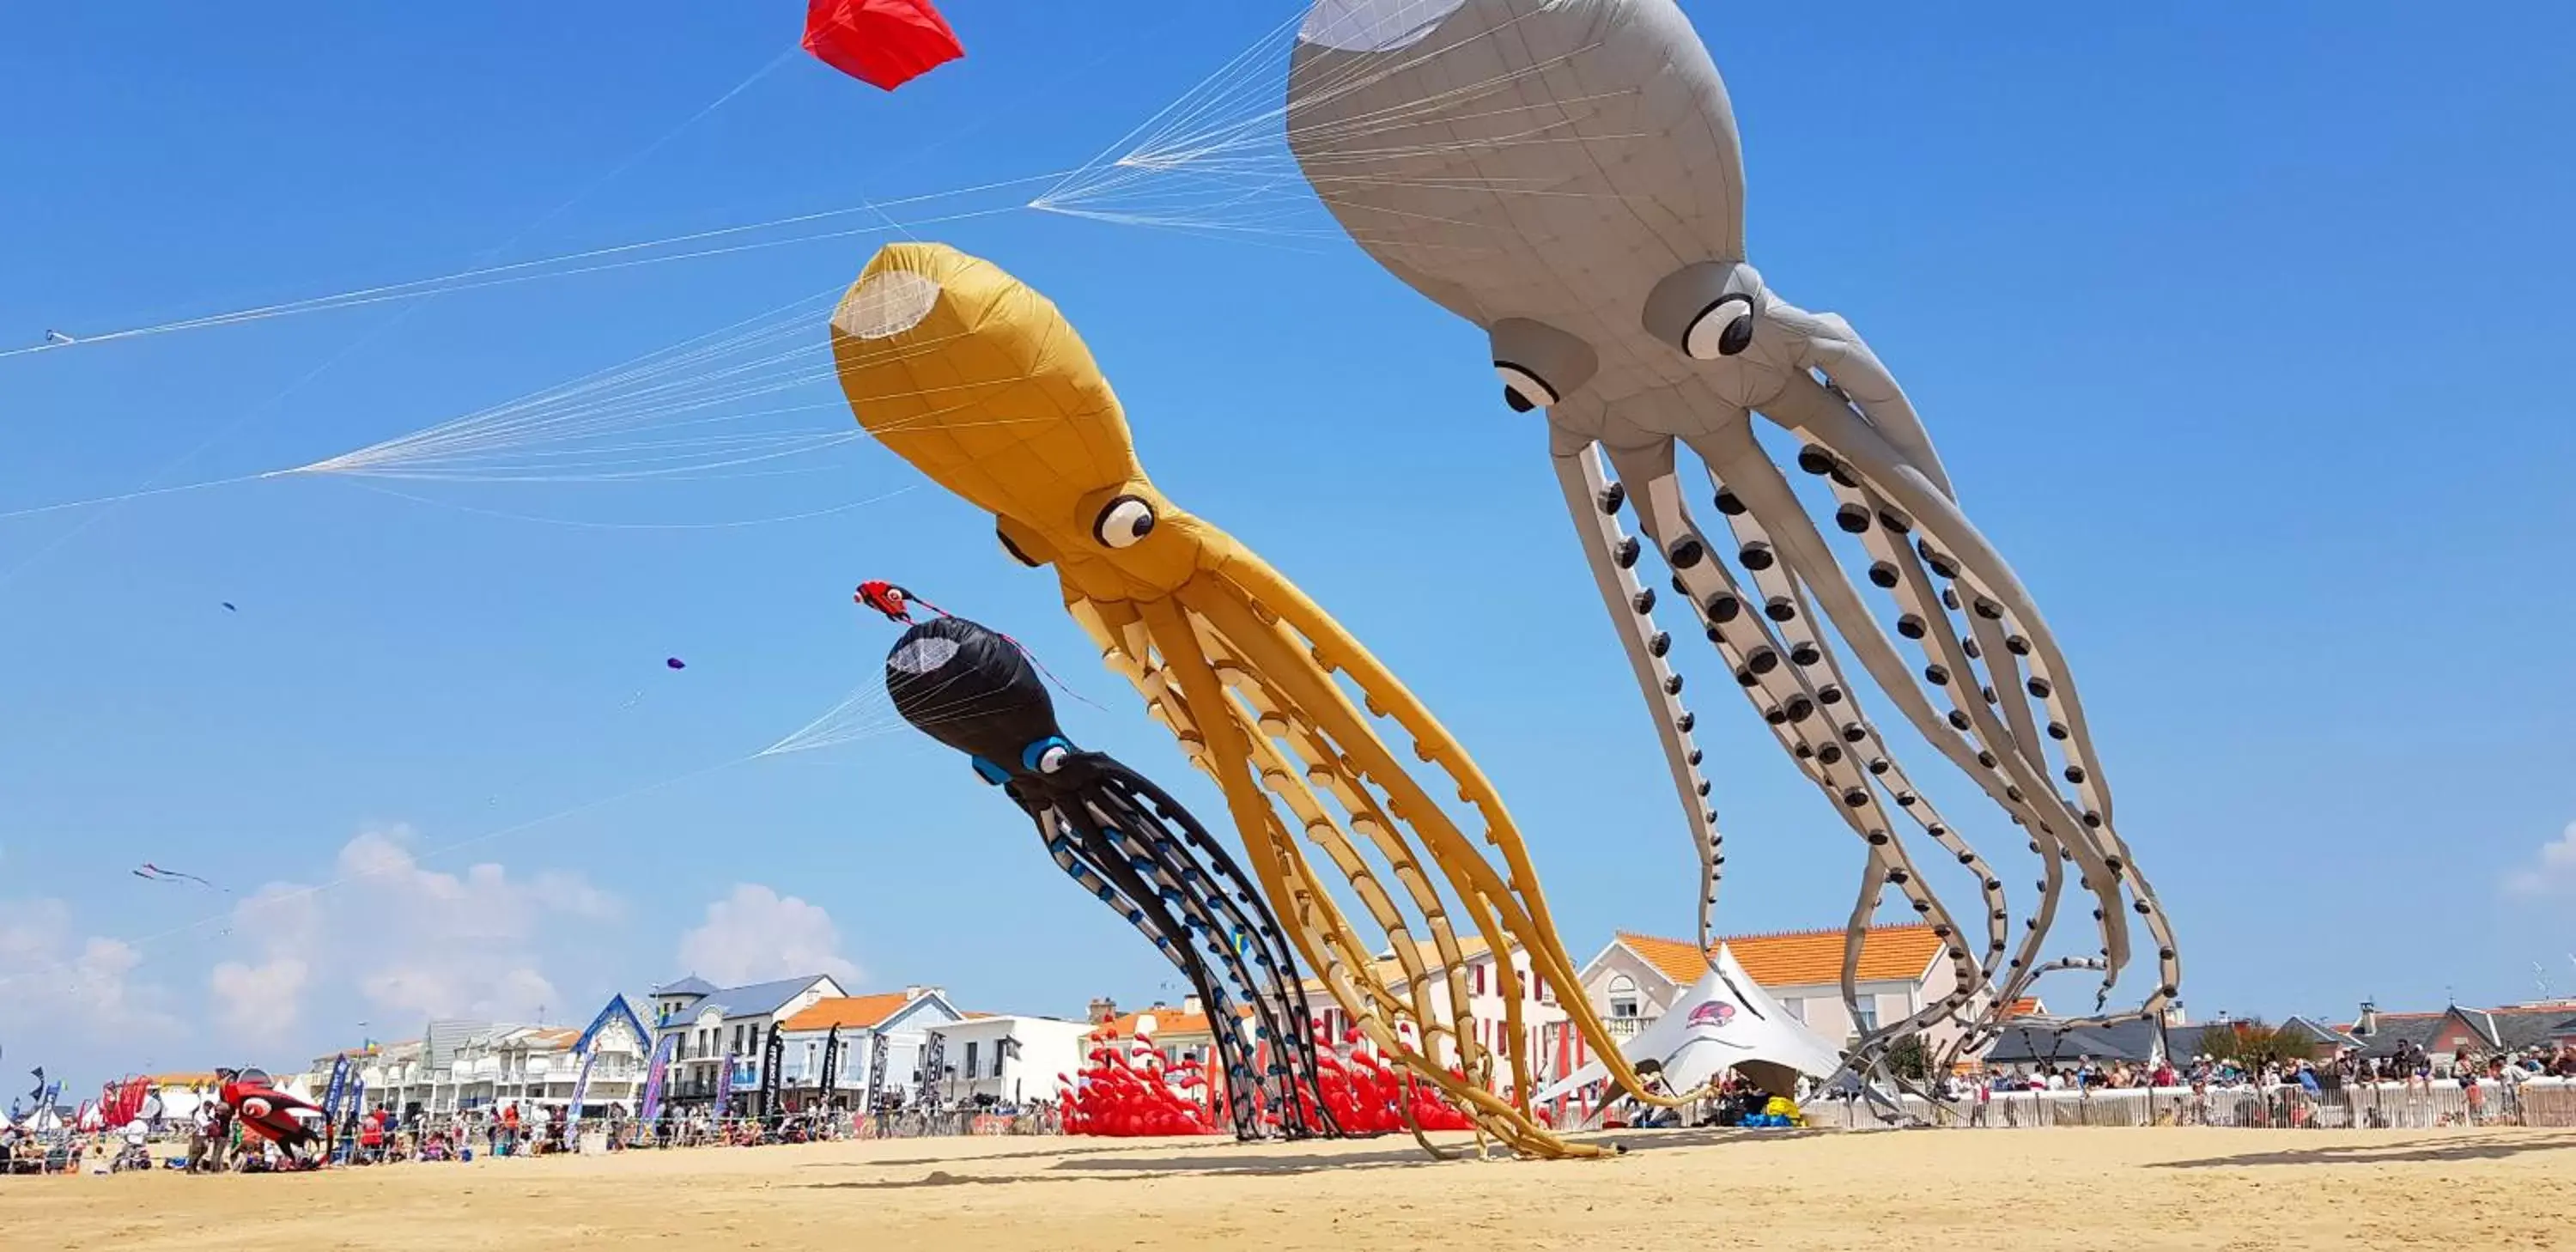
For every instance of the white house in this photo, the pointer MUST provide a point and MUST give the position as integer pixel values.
(1009, 1058)
(463, 1066)
(715, 1025)
(396, 1075)
(852, 1026)
(1902, 969)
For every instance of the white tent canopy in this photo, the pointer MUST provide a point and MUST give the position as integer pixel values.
(1724, 1020)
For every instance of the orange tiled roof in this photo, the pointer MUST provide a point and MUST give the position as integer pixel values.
(1168, 1022)
(1802, 958)
(848, 1012)
(207, 1078)
(2027, 1006)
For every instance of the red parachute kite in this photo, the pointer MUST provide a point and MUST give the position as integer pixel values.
(883, 42)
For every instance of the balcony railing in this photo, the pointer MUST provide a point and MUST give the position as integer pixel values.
(1625, 1027)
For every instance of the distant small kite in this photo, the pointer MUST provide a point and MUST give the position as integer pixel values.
(56, 338)
(675, 663)
(150, 872)
(228, 607)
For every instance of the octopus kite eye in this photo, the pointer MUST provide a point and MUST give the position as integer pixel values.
(1724, 328)
(1013, 550)
(1706, 309)
(1124, 523)
(1052, 759)
(1522, 389)
(1539, 365)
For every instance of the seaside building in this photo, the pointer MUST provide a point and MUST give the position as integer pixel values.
(1542, 1017)
(1180, 1033)
(2455, 1031)
(843, 1033)
(462, 1066)
(1008, 1058)
(720, 1025)
(1634, 979)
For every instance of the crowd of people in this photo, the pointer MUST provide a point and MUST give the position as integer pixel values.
(2488, 1087)
(2407, 1064)
(512, 1128)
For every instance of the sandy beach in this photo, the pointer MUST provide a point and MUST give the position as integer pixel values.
(2059, 1189)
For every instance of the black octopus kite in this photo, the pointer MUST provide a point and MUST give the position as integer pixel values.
(1128, 842)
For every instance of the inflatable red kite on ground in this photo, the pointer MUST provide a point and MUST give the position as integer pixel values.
(267, 1112)
(886, 43)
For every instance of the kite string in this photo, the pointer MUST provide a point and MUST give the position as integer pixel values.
(640, 154)
(228, 429)
(835, 510)
(131, 495)
(1024, 651)
(480, 277)
(448, 451)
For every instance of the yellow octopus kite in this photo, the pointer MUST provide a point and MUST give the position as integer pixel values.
(979, 382)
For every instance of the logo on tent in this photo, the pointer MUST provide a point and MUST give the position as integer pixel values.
(1713, 1013)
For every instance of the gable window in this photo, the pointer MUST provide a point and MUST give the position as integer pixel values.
(1623, 997)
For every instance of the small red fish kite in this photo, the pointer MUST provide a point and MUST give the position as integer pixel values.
(886, 43)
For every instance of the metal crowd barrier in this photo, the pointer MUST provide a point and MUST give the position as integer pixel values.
(2542, 1102)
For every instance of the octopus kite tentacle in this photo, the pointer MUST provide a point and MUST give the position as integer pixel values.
(1173, 910)
(1621, 307)
(1314, 922)
(1277, 1002)
(1752, 643)
(1094, 859)
(978, 381)
(1593, 504)
(1818, 721)
(1317, 923)
(1125, 841)
(1351, 978)
(1954, 549)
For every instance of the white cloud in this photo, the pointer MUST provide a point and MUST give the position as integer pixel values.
(259, 1003)
(56, 983)
(756, 934)
(2555, 874)
(416, 943)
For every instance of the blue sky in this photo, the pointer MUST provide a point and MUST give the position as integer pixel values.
(2237, 331)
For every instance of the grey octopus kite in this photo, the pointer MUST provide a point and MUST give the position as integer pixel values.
(1566, 175)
